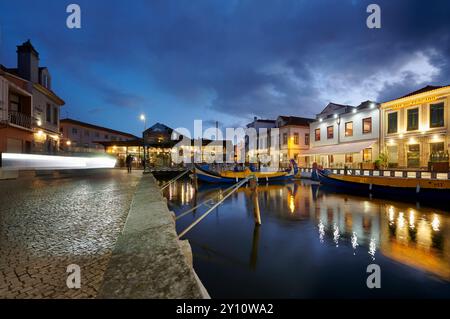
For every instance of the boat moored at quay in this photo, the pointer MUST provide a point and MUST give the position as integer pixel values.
(204, 174)
(404, 184)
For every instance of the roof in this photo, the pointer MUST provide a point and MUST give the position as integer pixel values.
(295, 120)
(266, 121)
(130, 143)
(49, 93)
(261, 121)
(96, 127)
(159, 127)
(422, 90)
(44, 90)
(331, 107)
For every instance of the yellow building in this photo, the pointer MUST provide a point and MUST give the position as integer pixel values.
(415, 127)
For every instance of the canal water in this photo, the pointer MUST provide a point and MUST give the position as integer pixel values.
(314, 244)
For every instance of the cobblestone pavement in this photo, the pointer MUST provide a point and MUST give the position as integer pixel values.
(48, 224)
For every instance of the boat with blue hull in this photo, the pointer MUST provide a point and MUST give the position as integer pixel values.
(408, 188)
(209, 176)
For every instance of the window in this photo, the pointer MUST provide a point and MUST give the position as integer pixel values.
(437, 115)
(74, 131)
(48, 115)
(392, 152)
(349, 129)
(330, 132)
(317, 134)
(86, 133)
(413, 155)
(285, 138)
(367, 155)
(106, 136)
(413, 119)
(392, 122)
(296, 138)
(55, 116)
(14, 103)
(367, 125)
(349, 158)
(306, 138)
(437, 148)
(97, 134)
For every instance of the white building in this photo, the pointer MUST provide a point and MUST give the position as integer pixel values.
(345, 136)
(260, 143)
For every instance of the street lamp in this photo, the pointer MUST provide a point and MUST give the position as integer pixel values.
(144, 119)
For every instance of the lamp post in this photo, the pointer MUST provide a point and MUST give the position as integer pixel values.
(144, 119)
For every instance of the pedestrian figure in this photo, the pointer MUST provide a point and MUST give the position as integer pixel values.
(129, 161)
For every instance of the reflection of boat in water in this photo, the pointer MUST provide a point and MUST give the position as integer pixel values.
(419, 188)
(209, 176)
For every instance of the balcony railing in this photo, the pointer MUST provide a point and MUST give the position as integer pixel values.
(20, 119)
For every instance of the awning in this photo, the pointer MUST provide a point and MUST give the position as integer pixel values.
(346, 148)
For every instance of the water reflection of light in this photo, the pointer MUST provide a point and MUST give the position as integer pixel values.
(354, 242)
(171, 191)
(187, 193)
(366, 206)
(336, 235)
(321, 231)
(401, 220)
(435, 223)
(412, 219)
(291, 203)
(391, 215)
(372, 248)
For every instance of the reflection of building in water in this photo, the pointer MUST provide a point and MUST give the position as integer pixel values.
(351, 218)
(183, 192)
(417, 239)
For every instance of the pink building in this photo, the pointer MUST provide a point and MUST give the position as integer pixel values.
(79, 136)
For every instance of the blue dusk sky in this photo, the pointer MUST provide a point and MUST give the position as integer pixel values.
(228, 60)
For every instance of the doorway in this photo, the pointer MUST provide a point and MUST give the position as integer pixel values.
(413, 155)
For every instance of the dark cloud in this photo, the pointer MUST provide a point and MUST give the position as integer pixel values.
(244, 58)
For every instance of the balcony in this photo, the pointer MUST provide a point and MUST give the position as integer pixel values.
(20, 119)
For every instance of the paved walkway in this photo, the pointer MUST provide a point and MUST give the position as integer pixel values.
(148, 260)
(48, 224)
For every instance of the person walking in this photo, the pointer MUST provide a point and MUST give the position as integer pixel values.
(129, 161)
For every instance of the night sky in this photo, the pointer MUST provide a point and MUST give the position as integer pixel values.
(227, 60)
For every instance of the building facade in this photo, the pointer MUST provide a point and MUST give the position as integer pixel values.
(415, 128)
(345, 136)
(29, 108)
(294, 139)
(258, 140)
(81, 137)
(16, 115)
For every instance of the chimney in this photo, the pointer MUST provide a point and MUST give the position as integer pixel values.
(28, 62)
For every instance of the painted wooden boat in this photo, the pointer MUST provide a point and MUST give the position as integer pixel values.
(208, 176)
(393, 186)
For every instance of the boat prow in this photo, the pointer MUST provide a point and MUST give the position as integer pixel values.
(209, 176)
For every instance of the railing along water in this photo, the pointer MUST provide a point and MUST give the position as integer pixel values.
(198, 220)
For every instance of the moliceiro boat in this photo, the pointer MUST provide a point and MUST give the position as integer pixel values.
(419, 188)
(209, 176)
